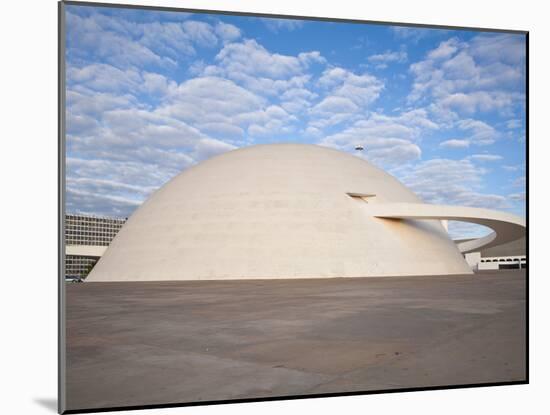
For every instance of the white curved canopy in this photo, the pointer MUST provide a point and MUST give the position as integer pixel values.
(506, 227)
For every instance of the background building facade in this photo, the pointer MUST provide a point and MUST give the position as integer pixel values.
(512, 255)
(86, 239)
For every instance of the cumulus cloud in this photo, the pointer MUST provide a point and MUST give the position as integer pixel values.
(250, 57)
(382, 60)
(480, 132)
(387, 140)
(110, 79)
(515, 167)
(109, 187)
(413, 34)
(252, 66)
(259, 77)
(227, 32)
(210, 99)
(296, 100)
(485, 157)
(455, 143)
(520, 197)
(508, 48)
(86, 102)
(480, 75)
(277, 25)
(85, 201)
(346, 93)
(455, 182)
(471, 103)
(113, 42)
(392, 152)
(104, 77)
(311, 57)
(125, 43)
(445, 49)
(335, 104)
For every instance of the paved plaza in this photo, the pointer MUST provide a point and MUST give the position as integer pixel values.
(142, 343)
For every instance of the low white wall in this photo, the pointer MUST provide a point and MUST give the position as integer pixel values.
(487, 265)
(490, 263)
(473, 259)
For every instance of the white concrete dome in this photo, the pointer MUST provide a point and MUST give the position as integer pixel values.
(277, 211)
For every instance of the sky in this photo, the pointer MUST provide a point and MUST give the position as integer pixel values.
(150, 94)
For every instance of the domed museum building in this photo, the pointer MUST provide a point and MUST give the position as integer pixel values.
(291, 211)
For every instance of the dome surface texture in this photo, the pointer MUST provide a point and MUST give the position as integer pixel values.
(277, 211)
